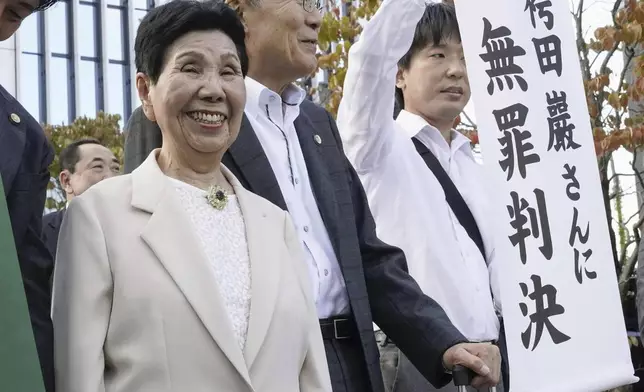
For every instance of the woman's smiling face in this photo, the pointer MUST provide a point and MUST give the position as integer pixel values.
(198, 100)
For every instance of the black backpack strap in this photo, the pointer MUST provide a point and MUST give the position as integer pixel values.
(452, 195)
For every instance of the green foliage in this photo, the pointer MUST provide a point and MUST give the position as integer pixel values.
(105, 128)
(337, 33)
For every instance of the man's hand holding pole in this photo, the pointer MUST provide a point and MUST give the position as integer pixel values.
(482, 358)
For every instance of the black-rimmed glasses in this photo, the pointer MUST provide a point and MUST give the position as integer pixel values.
(311, 5)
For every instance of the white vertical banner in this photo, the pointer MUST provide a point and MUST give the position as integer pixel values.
(561, 307)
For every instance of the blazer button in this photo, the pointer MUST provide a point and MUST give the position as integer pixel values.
(317, 139)
(14, 118)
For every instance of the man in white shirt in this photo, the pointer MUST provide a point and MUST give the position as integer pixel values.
(450, 256)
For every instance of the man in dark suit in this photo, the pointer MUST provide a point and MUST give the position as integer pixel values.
(50, 228)
(289, 152)
(25, 155)
(83, 163)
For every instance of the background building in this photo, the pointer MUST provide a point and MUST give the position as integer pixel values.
(75, 59)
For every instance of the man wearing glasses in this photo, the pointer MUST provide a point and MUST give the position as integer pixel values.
(289, 152)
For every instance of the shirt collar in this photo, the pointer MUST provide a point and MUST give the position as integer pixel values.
(413, 125)
(258, 96)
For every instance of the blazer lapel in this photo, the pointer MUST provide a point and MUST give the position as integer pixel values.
(170, 235)
(249, 156)
(12, 138)
(264, 252)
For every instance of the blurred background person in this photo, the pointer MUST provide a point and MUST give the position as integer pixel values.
(175, 278)
(83, 163)
(25, 155)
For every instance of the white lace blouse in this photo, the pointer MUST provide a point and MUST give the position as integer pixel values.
(223, 237)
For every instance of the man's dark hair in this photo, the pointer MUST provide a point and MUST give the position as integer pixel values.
(163, 25)
(437, 25)
(44, 4)
(70, 155)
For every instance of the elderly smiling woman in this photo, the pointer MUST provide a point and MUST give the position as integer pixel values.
(175, 278)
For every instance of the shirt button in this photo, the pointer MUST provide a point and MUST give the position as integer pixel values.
(271, 98)
(297, 181)
(306, 229)
(326, 272)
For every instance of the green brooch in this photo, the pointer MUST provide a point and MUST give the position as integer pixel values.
(217, 197)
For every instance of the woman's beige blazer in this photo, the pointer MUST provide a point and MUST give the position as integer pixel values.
(136, 306)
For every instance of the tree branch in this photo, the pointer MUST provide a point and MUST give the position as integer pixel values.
(629, 266)
(622, 257)
(595, 59)
(627, 271)
(620, 175)
(616, 7)
(601, 95)
(471, 123)
(582, 48)
(639, 210)
(629, 57)
(637, 173)
(603, 69)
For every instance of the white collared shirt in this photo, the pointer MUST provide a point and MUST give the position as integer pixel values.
(272, 117)
(406, 199)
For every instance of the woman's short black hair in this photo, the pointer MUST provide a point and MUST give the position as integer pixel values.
(437, 25)
(165, 24)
